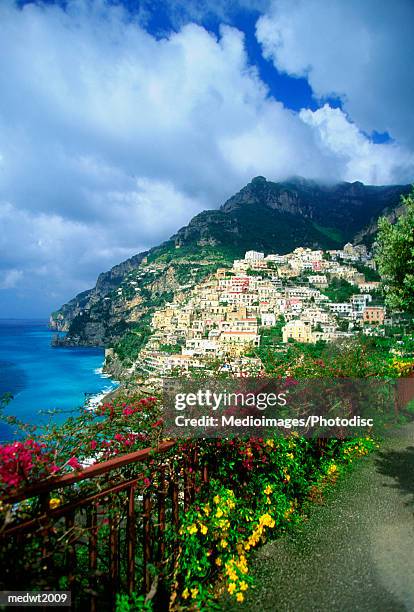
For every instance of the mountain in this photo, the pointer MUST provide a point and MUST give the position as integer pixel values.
(266, 216)
(298, 212)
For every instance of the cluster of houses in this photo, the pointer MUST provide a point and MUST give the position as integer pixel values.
(224, 317)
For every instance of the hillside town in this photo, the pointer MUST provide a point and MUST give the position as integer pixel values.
(226, 316)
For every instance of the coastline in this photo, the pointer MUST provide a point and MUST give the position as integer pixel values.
(43, 380)
(93, 401)
(96, 400)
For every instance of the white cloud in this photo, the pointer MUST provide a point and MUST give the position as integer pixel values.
(111, 139)
(372, 163)
(360, 51)
(10, 278)
(45, 256)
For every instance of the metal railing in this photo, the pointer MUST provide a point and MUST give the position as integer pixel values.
(109, 535)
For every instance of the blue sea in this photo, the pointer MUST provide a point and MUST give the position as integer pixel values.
(43, 378)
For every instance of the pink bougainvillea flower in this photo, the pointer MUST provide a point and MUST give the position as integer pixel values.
(74, 463)
(23, 462)
(157, 423)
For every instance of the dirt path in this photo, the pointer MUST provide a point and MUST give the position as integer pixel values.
(356, 552)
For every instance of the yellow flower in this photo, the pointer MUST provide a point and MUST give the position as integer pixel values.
(290, 455)
(268, 490)
(219, 512)
(270, 443)
(203, 529)
(216, 499)
(265, 519)
(192, 528)
(231, 588)
(240, 597)
(223, 543)
(219, 562)
(207, 509)
(194, 593)
(186, 594)
(242, 565)
(54, 502)
(332, 469)
(243, 586)
(287, 477)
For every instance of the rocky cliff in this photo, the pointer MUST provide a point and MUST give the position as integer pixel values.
(107, 281)
(267, 216)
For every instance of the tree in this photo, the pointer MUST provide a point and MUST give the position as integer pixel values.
(395, 257)
(340, 290)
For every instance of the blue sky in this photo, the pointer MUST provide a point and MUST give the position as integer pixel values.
(121, 120)
(295, 93)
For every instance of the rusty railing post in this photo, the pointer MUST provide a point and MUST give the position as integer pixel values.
(70, 551)
(147, 540)
(113, 553)
(131, 537)
(93, 553)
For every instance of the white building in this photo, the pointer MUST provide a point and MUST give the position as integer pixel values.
(341, 308)
(253, 256)
(360, 300)
(268, 319)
